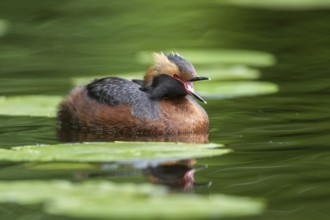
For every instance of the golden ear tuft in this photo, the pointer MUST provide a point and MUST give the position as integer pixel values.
(161, 60)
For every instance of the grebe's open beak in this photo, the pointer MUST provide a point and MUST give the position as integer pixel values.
(190, 88)
(198, 96)
(199, 78)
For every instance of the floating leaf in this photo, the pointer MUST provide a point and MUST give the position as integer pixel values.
(229, 73)
(280, 4)
(29, 105)
(216, 89)
(47, 105)
(224, 83)
(103, 199)
(199, 57)
(105, 152)
(235, 72)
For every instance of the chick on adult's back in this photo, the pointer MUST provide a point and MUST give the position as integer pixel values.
(159, 104)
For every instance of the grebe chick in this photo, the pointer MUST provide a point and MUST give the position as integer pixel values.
(159, 104)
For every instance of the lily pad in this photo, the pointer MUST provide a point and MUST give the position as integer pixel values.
(47, 105)
(103, 199)
(281, 4)
(217, 89)
(29, 105)
(109, 152)
(230, 73)
(223, 73)
(226, 82)
(201, 57)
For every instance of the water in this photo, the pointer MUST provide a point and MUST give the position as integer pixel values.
(280, 141)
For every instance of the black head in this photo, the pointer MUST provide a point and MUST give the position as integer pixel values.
(165, 86)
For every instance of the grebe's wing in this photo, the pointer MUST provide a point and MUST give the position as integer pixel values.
(116, 91)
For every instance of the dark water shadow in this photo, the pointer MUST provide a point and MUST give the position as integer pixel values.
(72, 136)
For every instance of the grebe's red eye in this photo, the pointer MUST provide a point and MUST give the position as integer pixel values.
(176, 76)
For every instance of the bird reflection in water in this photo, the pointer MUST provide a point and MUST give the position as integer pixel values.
(177, 175)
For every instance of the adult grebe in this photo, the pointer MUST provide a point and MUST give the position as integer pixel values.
(159, 104)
